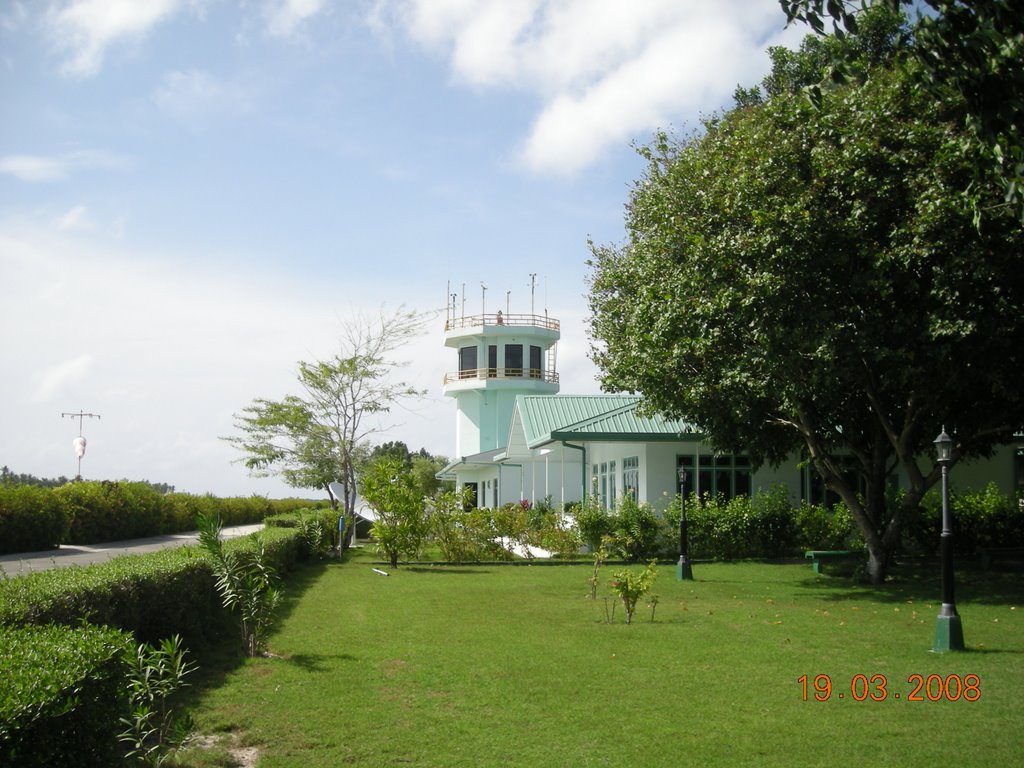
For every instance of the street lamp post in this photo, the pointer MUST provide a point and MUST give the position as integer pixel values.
(684, 571)
(949, 633)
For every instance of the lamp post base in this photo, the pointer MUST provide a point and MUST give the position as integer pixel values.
(949, 632)
(683, 570)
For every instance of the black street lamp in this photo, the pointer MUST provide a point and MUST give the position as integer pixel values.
(949, 633)
(684, 572)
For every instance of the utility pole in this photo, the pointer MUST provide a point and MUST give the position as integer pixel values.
(533, 284)
(79, 442)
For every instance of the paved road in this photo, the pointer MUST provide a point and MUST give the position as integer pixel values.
(72, 554)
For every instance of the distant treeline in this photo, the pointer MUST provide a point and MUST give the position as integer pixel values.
(19, 478)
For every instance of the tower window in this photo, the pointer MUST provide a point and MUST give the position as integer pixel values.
(467, 362)
(513, 359)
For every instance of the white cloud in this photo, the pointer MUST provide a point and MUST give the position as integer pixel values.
(39, 168)
(606, 71)
(84, 29)
(55, 379)
(196, 97)
(284, 17)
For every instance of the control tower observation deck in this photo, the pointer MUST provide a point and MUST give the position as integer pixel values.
(499, 357)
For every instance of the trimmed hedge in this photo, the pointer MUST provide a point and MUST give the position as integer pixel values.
(62, 696)
(31, 519)
(36, 519)
(154, 595)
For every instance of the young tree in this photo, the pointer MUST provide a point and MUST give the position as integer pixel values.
(321, 435)
(401, 525)
(800, 279)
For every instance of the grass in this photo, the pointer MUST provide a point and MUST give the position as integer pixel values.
(516, 666)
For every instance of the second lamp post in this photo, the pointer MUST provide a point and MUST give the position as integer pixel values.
(684, 571)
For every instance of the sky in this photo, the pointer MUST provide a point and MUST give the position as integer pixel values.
(195, 195)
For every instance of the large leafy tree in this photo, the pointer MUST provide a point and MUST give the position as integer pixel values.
(807, 280)
(975, 47)
(322, 434)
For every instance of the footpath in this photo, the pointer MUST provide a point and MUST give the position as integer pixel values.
(82, 554)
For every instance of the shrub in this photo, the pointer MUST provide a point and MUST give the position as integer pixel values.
(826, 527)
(31, 520)
(980, 521)
(319, 528)
(761, 526)
(62, 696)
(635, 529)
(592, 522)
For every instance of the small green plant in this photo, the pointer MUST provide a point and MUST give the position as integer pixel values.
(153, 730)
(600, 555)
(315, 536)
(246, 583)
(630, 586)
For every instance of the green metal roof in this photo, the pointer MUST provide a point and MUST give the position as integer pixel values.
(547, 418)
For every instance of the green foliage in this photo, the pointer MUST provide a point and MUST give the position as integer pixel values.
(154, 595)
(462, 535)
(318, 526)
(36, 518)
(826, 527)
(62, 695)
(631, 585)
(635, 529)
(110, 511)
(981, 521)
(153, 730)
(247, 583)
(31, 519)
(798, 279)
(592, 521)
(972, 47)
(401, 525)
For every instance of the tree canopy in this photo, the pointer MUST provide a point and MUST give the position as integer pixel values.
(807, 280)
(974, 47)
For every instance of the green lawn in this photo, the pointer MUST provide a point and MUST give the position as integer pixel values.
(516, 666)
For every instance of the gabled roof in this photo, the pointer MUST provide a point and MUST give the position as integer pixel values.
(610, 418)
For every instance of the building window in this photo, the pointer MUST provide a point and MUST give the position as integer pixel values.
(725, 475)
(492, 361)
(535, 371)
(513, 359)
(631, 476)
(467, 362)
(603, 480)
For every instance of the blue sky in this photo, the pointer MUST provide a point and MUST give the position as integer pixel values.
(197, 194)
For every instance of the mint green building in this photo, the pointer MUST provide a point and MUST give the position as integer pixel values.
(518, 439)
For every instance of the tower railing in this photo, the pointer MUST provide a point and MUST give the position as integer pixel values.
(471, 321)
(483, 374)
